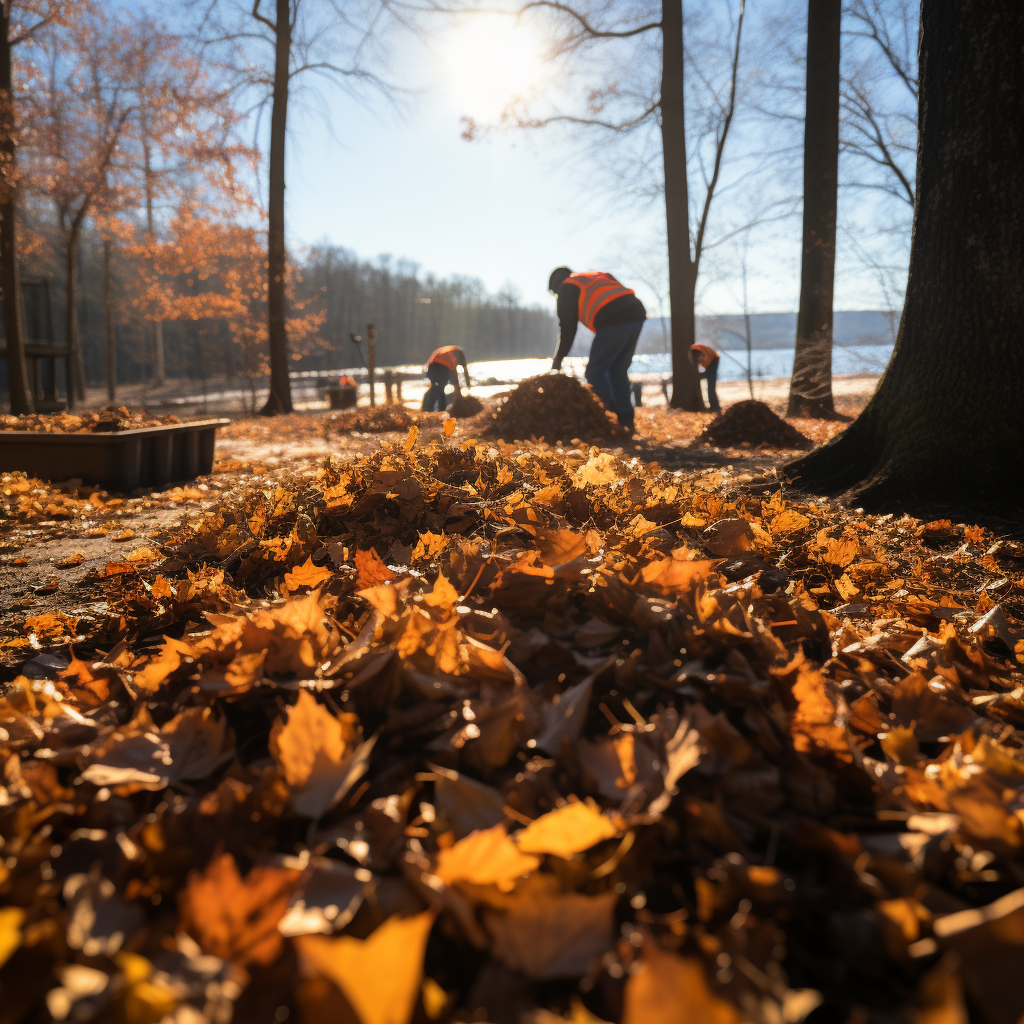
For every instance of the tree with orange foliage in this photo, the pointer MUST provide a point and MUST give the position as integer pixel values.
(266, 47)
(183, 147)
(19, 22)
(82, 113)
(210, 268)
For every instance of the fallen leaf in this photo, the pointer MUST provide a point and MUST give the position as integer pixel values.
(313, 749)
(235, 918)
(813, 727)
(307, 575)
(485, 857)
(566, 831)
(380, 975)
(371, 569)
(11, 920)
(545, 934)
(668, 989)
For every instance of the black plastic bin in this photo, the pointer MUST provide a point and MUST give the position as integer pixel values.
(121, 460)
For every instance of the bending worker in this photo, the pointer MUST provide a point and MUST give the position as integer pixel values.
(706, 359)
(615, 315)
(442, 370)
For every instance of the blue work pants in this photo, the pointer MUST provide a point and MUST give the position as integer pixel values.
(608, 368)
(440, 377)
(711, 376)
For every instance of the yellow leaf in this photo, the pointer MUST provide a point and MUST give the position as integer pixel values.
(428, 545)
(449, 428)
(313, 749)
(381, 975)
(444, 596)
(599, 470)
(485, 857)
(372, 570)
(813, 726)
(788, 522)
(846, 587)
(410, 440)
(11, 920)
(841, 551)
(435, 999)
(566, 831)
(675, 576)
(307, 575)
(668, 989)
(144, 555)
(168, 660)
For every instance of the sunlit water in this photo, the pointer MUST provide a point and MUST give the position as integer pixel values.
(493, 375)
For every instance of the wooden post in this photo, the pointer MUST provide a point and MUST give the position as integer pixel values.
(388, 385)
(398, 391)
(371, 359)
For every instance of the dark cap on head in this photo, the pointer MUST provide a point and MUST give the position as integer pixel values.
(558, 275)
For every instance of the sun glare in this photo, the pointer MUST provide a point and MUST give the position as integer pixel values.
(489, 61)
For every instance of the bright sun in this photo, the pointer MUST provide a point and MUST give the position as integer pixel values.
(489, 61)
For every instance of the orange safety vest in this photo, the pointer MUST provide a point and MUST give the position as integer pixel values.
(705, 354)
(447, 355)
(597, 289)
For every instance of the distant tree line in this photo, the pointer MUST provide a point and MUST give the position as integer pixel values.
(414, 313)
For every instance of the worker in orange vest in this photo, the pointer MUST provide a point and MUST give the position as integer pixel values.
(442, 370)
(706, 359)
(616, 316)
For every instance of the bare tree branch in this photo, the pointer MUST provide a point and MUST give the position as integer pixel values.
(720, 145)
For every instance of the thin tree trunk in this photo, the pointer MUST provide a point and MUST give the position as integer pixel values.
(18, 383)
(76, 367)
(810, 390)
(682, 273)
(946, 425)
(108, 324)
(280, 398)
(159, 374)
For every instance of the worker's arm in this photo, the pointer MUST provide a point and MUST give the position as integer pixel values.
(465, 367)
(568, 316)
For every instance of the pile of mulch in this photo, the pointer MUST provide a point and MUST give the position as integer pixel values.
(112, 418)
(752, 423)
(465, 406)
(556, 407)
(378, 420)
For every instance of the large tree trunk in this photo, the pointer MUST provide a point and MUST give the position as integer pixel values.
(810, 390)
(280, 398)
(18, 383)
(946, 426)
(682, 273)
(110, 338)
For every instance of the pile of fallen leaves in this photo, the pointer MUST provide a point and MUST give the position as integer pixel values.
(484, 732)
(754, 423)
(555, 407)
(112, 418)
(465, 406)
(377, 420)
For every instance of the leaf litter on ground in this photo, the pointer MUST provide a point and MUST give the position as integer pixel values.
(470, 730)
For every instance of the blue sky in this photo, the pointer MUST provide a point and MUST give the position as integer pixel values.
(398, 178)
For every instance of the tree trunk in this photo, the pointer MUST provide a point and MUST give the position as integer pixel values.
(159, 363)
(280, 398)
(18, 383)
(810, 390)
(76, 369)
(682, 273)
(108, 324)
(946, 426)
